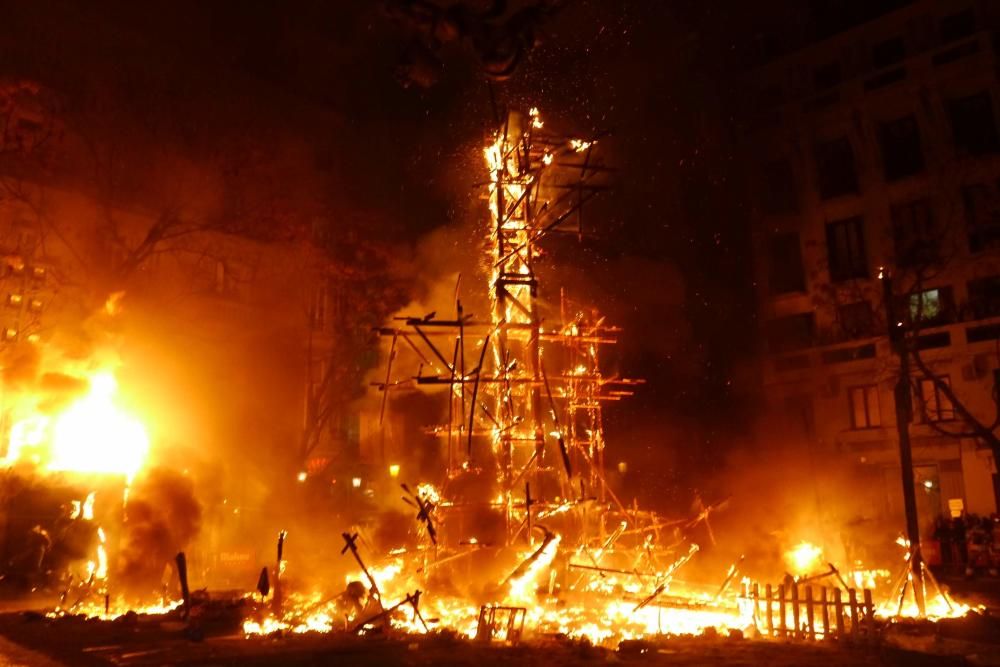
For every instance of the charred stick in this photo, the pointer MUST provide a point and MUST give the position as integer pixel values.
(424, 508)
(182, 574)
(351, 541)
(415, 603)
(536, 554)
(733, 571)
(610, 570)
(277, 600)
(433, 348)
(836, 572)
(388, 372)
(645, 601)
(527, 508)
(475, 391)
(451, 400)
(409, 599)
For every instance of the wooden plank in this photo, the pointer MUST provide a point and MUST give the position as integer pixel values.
(824, 613)
(796, 613)
(852, 596)
(755, 593)
(869, 614)
(838, 610)
(768, 610)
(782, 622)
(810, 615)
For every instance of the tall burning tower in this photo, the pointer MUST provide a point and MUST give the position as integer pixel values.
(524, 396)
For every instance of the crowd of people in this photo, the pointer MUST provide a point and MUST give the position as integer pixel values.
(968, 543)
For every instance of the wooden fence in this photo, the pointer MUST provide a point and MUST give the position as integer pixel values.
(803, 612)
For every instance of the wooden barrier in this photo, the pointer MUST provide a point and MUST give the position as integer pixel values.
(789, 611)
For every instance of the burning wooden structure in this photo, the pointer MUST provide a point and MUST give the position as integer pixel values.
(524, 397)
(524, 443)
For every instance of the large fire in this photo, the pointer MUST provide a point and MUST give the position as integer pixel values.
(573, 560)
(92, 435)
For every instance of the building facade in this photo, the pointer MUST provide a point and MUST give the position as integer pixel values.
(879, 148)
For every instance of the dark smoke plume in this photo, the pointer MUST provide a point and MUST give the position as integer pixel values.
(161, 518)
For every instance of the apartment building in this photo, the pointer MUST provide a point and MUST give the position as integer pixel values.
(874, 148)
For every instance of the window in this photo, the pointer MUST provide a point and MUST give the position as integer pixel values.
(958, 25)
(778, 194)
(856, 320)
(865, 411)
(982, 214)
(793, 332)
(785, 272)
(932, 306)
(914, 233)
(984, 297)
(973, 126)
(845, 247)
(827, 76)
(900, 144)
(889, 52)
(935, 405)
(835, 168)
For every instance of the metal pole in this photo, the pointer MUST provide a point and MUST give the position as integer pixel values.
(898, 341)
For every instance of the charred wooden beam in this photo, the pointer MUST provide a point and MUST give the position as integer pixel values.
(277, 600)
(182, 574)
(352, 545)
(535, 555)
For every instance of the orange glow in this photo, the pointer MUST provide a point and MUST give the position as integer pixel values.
(92, 435)
(803, 558)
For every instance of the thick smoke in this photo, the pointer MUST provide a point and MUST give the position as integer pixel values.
(161, 518)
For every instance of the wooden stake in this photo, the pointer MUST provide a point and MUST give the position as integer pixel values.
(810, 615)
(182, 574)
(853, 597)
(767, 605)
(797, 633)
(838, 607)
(783, 623)
(824, 613)
(869, 614)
